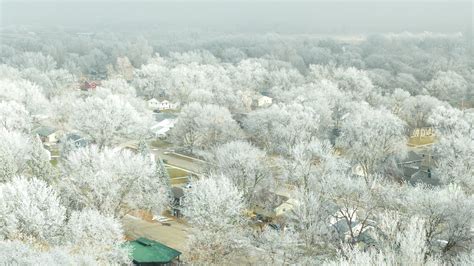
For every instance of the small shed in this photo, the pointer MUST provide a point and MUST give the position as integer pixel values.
(149, 252)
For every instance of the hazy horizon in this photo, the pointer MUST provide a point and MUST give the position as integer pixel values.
(341, 17)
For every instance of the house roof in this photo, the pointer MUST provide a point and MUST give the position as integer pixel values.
(153, 100)
(162, 116)
(44, 131)
(145, 250)
(164, 123)
(412, 157)
(77, 139)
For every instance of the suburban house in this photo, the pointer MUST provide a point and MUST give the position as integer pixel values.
(76, 140)
(89, 85)
(48, 135)
(262, 101)
(271, 205)
(149, 252)
(417, 167)
(352, 227)
(164, 122)
(155, 104)
(421, 136)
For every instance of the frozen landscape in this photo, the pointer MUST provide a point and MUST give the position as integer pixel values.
(236, 133)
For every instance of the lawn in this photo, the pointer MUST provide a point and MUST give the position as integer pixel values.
(177, 176)
(160, 143)
(419, 141)
(175, 172)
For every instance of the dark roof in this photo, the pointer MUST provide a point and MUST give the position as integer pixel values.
(412, 157)
(44, 131)
(78, 140)
(162, 116)
(145, 250)
(425, 177)
(408, 172)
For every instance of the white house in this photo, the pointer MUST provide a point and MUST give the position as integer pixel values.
(48, 135)
(154, 104)
(264, 101)
(165, 105)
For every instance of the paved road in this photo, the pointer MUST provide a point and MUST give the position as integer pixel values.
(174, 235)
(184, 163)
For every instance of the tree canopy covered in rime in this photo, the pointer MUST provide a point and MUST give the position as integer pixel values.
(260, 149)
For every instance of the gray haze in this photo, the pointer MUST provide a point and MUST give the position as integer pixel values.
(326, 17)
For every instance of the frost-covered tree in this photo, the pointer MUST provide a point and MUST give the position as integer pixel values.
(89, 233)
(280, 127)
(13, 116)
(407, 247)
(214, 207)
(54, 82)
(245, 165)
(21, 253)
(277, 246)
(448, 86)
(152, 80)
(455, 162)
(203, 126)
(138, 51)
(26, 93)
(111, 181)
(310, 219)
(30, 210)
(352, 81)
(105, 120)
(124, 68)
(324, 98)
(39, 162)
(116, 86)
(33, 60)
(62, 107)
(417, 110)
(309, 162)
(373, 139)
(14, 154)
(454, 148)
(450, 121)
(353, 206)
(448, 218)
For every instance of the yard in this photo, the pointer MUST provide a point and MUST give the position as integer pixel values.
(177, 176)
(159, 143)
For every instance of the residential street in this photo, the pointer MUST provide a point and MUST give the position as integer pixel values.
(193, 166)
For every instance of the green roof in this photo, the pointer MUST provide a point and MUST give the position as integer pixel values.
(145, 250)
(44, 131)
